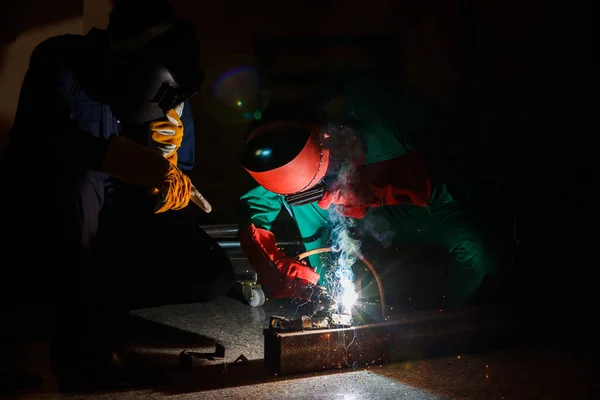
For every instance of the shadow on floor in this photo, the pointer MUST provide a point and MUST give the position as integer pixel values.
(150, 333)
(216, 376)
(179, 381)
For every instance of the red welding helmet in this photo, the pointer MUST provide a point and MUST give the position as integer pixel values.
(286, 157)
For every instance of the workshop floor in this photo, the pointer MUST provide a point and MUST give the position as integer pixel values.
(162, 333)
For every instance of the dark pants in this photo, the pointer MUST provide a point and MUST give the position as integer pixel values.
(91, 258)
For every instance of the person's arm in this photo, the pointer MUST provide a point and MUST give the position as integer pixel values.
(187, 152)
(259, 207)
(409, 142)
(285, 277)
(415, 122)
(45, 127)
(371, 165)
(44, 123)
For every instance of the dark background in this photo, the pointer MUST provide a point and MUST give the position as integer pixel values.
(522, 73)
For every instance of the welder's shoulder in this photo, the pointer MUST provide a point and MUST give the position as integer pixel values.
(56, 49)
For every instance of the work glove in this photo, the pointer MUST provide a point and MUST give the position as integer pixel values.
(167, 134)
(283, 276)
(133, 163)
(403, 180)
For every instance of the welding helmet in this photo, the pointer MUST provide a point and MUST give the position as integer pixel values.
(288, 158)
(151, 62)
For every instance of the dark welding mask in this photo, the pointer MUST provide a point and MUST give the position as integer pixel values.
(288, 158)
(153, 72)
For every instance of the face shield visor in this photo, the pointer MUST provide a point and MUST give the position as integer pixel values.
(287, 158)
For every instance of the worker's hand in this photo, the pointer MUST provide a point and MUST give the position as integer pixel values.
(403, 180)
(351, 194)
(167, 134)
(175, 192)
(294, 279)
(288, 278)
(318, 294)
(284, 277)
(133, 163)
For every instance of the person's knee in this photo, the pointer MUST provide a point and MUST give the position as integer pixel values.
(215, 275)
(223, 277)
(208, 291)
(473, 276)
(475, 256)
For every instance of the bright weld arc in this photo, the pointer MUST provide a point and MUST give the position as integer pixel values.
(344, 289)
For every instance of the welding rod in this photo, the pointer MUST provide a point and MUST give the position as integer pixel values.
(200, 201)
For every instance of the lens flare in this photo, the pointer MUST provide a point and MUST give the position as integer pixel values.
(239, 90)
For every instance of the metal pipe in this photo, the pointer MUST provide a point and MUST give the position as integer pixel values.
(234, 244)
(225, 230)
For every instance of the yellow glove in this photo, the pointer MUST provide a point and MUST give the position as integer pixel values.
(133, 163)
(175, 192)
(167, 134)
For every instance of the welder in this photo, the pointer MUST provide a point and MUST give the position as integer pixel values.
(387, 158)
(95, 178)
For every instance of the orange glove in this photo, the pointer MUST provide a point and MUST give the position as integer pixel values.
(167, 134)
(402, 180)
(175, 192)
(285, 277)
(133, 163)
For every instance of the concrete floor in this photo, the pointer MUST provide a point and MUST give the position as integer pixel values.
(162, 333)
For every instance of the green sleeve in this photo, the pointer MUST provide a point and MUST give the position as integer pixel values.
(313, 224)
(259, 207)
(262, 207)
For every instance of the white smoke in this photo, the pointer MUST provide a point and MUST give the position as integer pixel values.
(346, 250)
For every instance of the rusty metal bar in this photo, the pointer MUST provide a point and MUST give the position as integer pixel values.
(414, 336)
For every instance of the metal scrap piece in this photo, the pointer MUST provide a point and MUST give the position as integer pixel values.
(281, 323)
(341, 319)
(319, 321)
(241, 360)
(185, 357)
